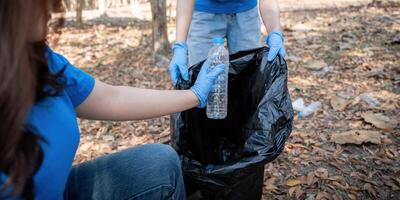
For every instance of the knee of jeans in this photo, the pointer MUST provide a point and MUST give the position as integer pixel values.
(167, 162)
(166, 156)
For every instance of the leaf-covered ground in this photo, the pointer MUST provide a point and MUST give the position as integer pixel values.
(335, 56)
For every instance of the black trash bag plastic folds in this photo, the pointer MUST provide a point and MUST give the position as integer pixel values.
(224, 159)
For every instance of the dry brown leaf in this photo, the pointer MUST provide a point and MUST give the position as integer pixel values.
(293, 58)
(387, 141)
(85, 146)
(298, 192)
(338, 185)
(269, 185)
(336, 197)
(352, 196)
(297, 181)
(322, 173)
(357, 137)
(291, 190)
(397, 180)
(389, 182)
(391, 153)
(311, 178)
(108, 138)
(323, 195)
(380, 121)
(339, 104)
(362, 177)
(370, 189)
(335, 178)
(316, 65)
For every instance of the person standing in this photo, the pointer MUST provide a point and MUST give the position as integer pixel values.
(236, 20)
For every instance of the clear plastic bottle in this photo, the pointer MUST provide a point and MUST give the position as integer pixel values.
(310, 109)
(303, 110)
(217, 102)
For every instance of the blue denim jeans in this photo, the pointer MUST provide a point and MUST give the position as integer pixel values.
(241, 30)
(151, 171)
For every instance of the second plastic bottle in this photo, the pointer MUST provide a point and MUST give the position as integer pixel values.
(217, 102)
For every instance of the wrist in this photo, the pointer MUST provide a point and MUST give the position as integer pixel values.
(274, 33)
(200, 102)
(277, 32)
(194, 100)
(179, 45)
(277, 29)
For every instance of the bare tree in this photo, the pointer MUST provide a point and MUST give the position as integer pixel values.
(79, 6)
(160, 35)
(135, 8)
(102, 7)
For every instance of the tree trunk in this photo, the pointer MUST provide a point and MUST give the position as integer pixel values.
(79, 5)
(160, 35)
(102, 7)
(135, 8)
(68, 5)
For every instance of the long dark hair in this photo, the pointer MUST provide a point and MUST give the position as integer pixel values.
(23, 74)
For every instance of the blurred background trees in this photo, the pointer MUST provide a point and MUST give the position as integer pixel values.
(133, 8)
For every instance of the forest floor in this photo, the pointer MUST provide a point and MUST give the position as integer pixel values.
(334, 56)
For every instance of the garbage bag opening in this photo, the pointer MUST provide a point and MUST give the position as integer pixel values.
(218, 155)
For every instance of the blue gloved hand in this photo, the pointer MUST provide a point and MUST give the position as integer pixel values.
(205, 80)
(275, 41)
(178, 65)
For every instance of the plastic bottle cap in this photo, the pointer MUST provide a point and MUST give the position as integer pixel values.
(218, 40)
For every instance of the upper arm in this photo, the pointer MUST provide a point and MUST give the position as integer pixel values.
(77, 84)
(100, 103)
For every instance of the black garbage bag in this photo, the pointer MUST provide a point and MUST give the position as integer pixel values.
(224, 159)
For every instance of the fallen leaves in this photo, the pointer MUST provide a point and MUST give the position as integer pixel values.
(357, 137)
(370, 189)
(338, 103)
(322, 173)
(297, 191)
(323, 195)
(362, 177)
(316, 65)
(297, 181)
(340, 186)
(270, 185)
(352, 196)
(380, 121)
(108, 138)
(311, 178)
(391, 182)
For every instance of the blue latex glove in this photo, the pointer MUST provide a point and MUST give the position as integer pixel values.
(178, 65)
(205, 80)
(275, 41)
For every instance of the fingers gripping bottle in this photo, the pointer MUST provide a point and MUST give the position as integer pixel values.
(217, 102)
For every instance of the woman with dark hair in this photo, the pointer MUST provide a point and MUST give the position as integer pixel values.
(41, 96)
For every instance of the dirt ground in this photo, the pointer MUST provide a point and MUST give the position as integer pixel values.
(334, 56)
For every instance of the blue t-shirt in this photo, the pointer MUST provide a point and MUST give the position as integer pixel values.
(224, 6)
(55, 120)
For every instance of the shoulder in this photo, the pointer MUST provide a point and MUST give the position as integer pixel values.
(56, 61)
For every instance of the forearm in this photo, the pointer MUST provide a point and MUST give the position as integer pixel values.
(137, 103)
(269, 10)
(119, 103)
(184, 12)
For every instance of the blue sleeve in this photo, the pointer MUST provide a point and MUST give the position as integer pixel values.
(77, 83)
